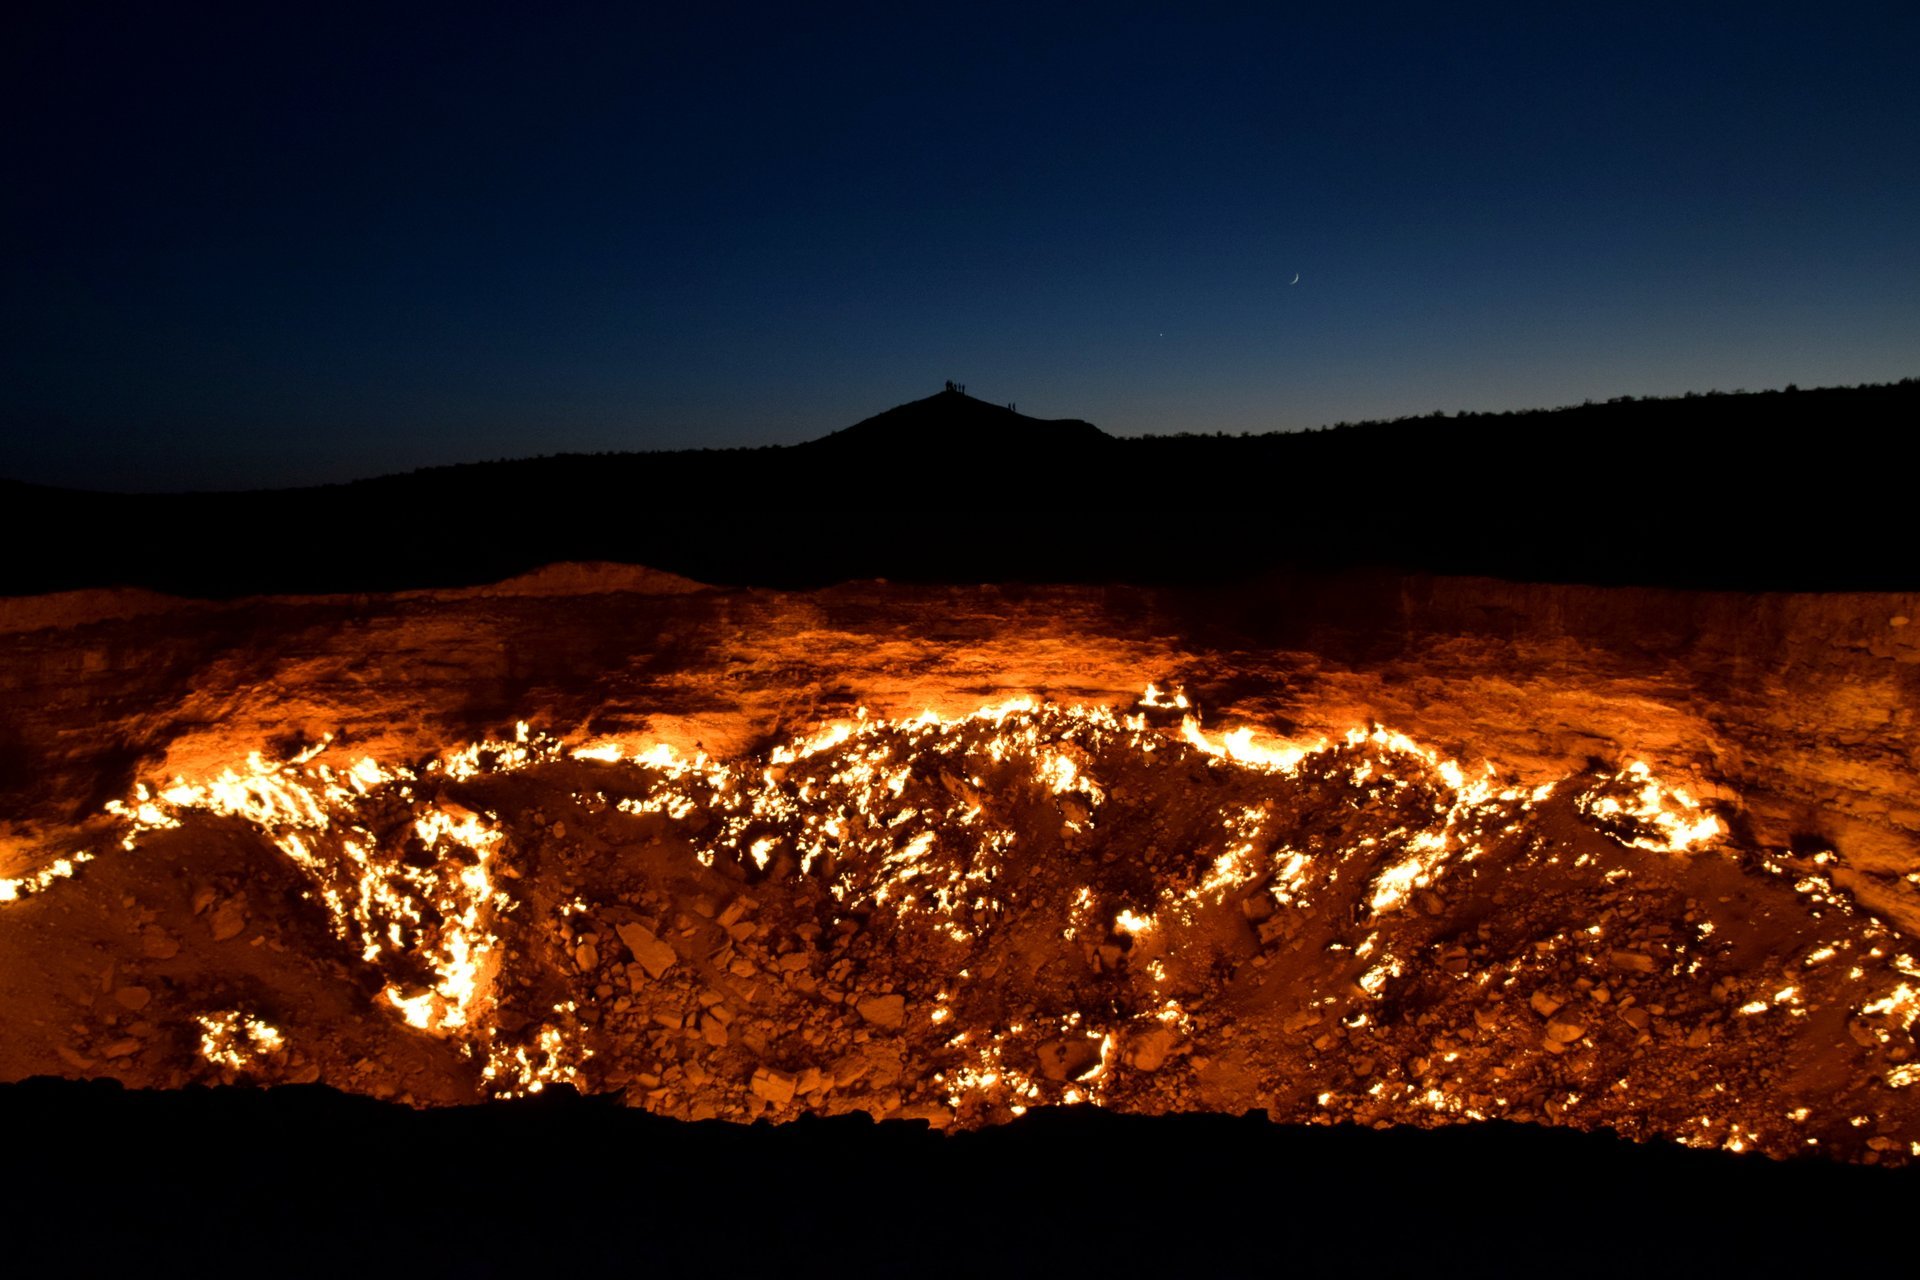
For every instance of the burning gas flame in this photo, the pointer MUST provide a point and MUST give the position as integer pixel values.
(911, 815)
(433, 911)
(1636, 809)
(236, 1041)
(14, 888)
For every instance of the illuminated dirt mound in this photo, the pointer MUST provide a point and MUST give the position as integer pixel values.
(1001, 899)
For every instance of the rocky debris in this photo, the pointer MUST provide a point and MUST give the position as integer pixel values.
(1148, 1051)
(887, 1011)
(649, 952)
(1893, 898)
(1068, 1059)
(1561, 1034)
(228, 920)
(777, 1087)
(134, 998)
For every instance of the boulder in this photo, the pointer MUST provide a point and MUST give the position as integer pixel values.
(775, 1086)
(1149, 1050)
(652, 954)
(883, 1011)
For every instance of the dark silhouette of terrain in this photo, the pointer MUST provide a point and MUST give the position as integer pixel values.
(314, 1182)
(1775, 490)
(916, 432)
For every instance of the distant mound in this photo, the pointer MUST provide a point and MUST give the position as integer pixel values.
(574, 578)
(953, 426)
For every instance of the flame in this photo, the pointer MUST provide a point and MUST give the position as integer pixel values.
(1239, 746)
(15, 888)
(1154, 698)
(1900, 1006)
(1637, 810)
(235, 1040)
(927, 816)
(437, 915)
(514, 1071)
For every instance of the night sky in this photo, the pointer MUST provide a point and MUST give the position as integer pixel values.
(247, 247)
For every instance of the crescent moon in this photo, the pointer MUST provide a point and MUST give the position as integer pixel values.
(1296, 278)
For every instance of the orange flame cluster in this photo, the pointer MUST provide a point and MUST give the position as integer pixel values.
(926, 817)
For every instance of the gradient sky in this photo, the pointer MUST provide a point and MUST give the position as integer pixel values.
(246, 245)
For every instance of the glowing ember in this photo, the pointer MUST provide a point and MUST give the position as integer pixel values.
(236, 1041)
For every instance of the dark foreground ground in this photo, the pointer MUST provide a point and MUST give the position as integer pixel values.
(101, 1181)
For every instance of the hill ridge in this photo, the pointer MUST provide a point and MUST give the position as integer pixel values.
(952, 417)
(1762, 491)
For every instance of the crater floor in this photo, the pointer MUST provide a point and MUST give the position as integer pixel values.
(1009, 899)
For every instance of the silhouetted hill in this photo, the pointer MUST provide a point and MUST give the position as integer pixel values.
(1774, 490)
(953, 428)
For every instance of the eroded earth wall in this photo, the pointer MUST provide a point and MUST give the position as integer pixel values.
(1795, 711)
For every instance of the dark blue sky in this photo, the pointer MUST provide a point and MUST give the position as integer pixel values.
(247, 249)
